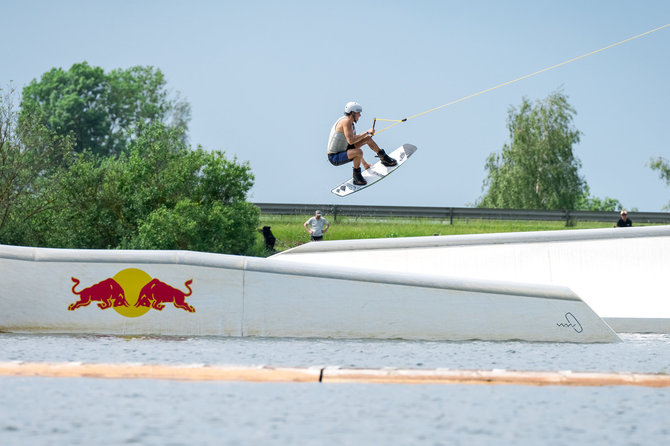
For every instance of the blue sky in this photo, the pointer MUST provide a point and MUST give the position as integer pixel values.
(266, 80)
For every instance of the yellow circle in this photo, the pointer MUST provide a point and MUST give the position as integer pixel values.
(132, 280)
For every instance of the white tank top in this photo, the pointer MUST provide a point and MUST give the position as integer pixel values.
(337, 142)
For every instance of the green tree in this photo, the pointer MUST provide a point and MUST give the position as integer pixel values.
(103, 111)
(32, 160)
(663, 167)
(589, 203)
(537, 169)
(200, 227)
(158, 194)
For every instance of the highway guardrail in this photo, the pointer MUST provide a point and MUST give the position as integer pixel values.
(451, 213)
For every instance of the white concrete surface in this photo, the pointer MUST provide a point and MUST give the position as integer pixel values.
(245, 296)
(621, 273)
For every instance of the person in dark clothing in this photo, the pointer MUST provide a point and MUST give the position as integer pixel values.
(624, 221)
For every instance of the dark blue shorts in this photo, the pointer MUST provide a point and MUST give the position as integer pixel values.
(339, 158)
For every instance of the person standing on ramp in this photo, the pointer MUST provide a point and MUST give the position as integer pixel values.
(344, 145)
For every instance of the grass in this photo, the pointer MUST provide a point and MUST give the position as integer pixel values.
(290, 232)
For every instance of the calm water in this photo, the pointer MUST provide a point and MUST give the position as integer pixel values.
(96, 411)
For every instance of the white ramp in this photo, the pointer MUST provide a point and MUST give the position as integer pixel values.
(621, 273)
(189, 293)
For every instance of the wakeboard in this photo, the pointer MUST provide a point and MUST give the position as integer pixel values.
(376, 172)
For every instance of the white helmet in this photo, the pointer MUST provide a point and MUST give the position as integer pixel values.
(353, 107)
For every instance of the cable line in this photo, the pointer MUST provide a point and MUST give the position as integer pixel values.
(574, 59)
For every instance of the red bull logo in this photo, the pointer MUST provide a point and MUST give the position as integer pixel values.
(131, 293)
(108, 293)
(156, 294)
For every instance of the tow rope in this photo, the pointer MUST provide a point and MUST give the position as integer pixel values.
(574, 59)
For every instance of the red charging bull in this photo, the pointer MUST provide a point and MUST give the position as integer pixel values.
(108, 293)
(156, 294)
(132, 293)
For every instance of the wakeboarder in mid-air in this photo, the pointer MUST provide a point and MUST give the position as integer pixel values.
(345, 146)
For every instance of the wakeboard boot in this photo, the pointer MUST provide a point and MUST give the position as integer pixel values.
(385, 159)
(358, 177)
